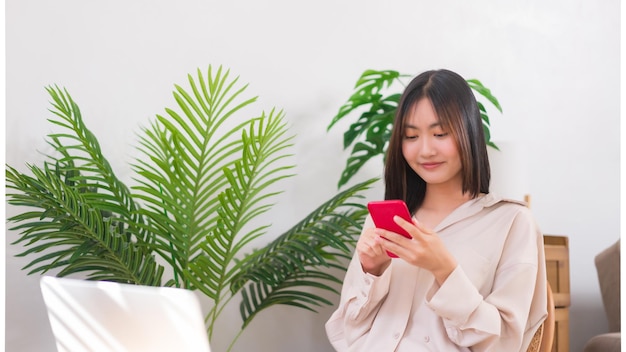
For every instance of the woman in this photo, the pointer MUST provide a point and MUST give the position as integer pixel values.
(472, 277)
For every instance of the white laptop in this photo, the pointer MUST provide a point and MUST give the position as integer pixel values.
(106, 316)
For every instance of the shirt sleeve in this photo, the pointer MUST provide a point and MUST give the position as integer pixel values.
(361, 296)
(498, 321)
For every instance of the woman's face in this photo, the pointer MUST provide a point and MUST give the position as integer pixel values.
(429, 149)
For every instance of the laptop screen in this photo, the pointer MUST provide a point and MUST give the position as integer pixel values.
(106, 316)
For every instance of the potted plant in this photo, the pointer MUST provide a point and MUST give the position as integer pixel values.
(202, 180)
(376, 98)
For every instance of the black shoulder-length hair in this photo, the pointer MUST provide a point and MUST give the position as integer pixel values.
(457, 110)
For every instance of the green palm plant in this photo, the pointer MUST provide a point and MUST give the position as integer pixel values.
(202, 181)
(376, 99)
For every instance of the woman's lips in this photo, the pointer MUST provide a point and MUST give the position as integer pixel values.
(430, 166)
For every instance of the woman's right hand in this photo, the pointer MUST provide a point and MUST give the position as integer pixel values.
(374, 258)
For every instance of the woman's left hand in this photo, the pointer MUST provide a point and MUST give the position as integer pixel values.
(425, 249)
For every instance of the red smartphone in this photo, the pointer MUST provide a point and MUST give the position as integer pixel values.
(383, 212)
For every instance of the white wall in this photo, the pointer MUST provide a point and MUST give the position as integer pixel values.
(554, 65)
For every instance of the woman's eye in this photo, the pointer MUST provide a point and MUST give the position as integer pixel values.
(410, 137)
(440, 135)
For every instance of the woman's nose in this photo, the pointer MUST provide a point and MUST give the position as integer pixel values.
(427, 147)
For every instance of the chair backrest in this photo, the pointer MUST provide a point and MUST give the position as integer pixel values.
(544, 336)
(548, 325)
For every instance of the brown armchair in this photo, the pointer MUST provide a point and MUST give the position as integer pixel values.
(608, 268)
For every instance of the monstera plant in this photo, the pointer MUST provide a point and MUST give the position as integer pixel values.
(205, 176)
(373, 104)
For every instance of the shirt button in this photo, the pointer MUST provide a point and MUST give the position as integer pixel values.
(396, 336)
(427, 339)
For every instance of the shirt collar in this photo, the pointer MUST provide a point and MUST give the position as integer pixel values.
(472, 207)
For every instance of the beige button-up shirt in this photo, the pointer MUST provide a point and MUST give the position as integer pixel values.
(493, 301)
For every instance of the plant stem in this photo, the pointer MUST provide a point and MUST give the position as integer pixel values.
(234, 340)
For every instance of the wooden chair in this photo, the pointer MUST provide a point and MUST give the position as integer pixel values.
(544, 336)
(543, 339)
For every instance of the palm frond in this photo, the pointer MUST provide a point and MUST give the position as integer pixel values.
(84, 208)
(247, 197)
(323, 239)
(82, 159)
(297, 291)
(180, 171)
(64, 231)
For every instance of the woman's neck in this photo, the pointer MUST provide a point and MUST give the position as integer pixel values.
(444, 198)
(439, 202)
